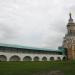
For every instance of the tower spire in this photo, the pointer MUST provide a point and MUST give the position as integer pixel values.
(70, 15)
(70, 19)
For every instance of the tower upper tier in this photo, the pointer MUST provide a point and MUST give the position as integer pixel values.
(71, 26)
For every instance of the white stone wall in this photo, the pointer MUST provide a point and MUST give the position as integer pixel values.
(22, 55)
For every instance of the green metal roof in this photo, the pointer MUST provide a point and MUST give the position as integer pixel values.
(27, 47)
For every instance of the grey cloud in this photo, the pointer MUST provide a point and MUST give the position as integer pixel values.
(6, 31)
(37, 23)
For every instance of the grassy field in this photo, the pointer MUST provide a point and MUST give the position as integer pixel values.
(30, 68)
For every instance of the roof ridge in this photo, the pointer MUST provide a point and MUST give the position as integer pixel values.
(27, 47)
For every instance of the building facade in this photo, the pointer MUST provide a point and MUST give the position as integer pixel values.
(69, 39)
(22, 53)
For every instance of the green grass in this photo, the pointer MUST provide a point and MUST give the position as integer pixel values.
(30, 68)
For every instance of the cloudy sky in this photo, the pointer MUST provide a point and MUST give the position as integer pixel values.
(36, 23)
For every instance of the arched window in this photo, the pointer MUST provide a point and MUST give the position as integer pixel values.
(3, 58)
(44, 59)
(15, 58)
(36, 58)
(27, 58)
(52, 58)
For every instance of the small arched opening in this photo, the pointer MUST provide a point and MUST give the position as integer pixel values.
(58, 58)
(3, 58)
(44, 59)
(36, 58)
(51, 58)
(27, 58)
(15, 58)
(64, 58)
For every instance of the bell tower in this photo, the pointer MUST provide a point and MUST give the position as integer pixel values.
(69, 39)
